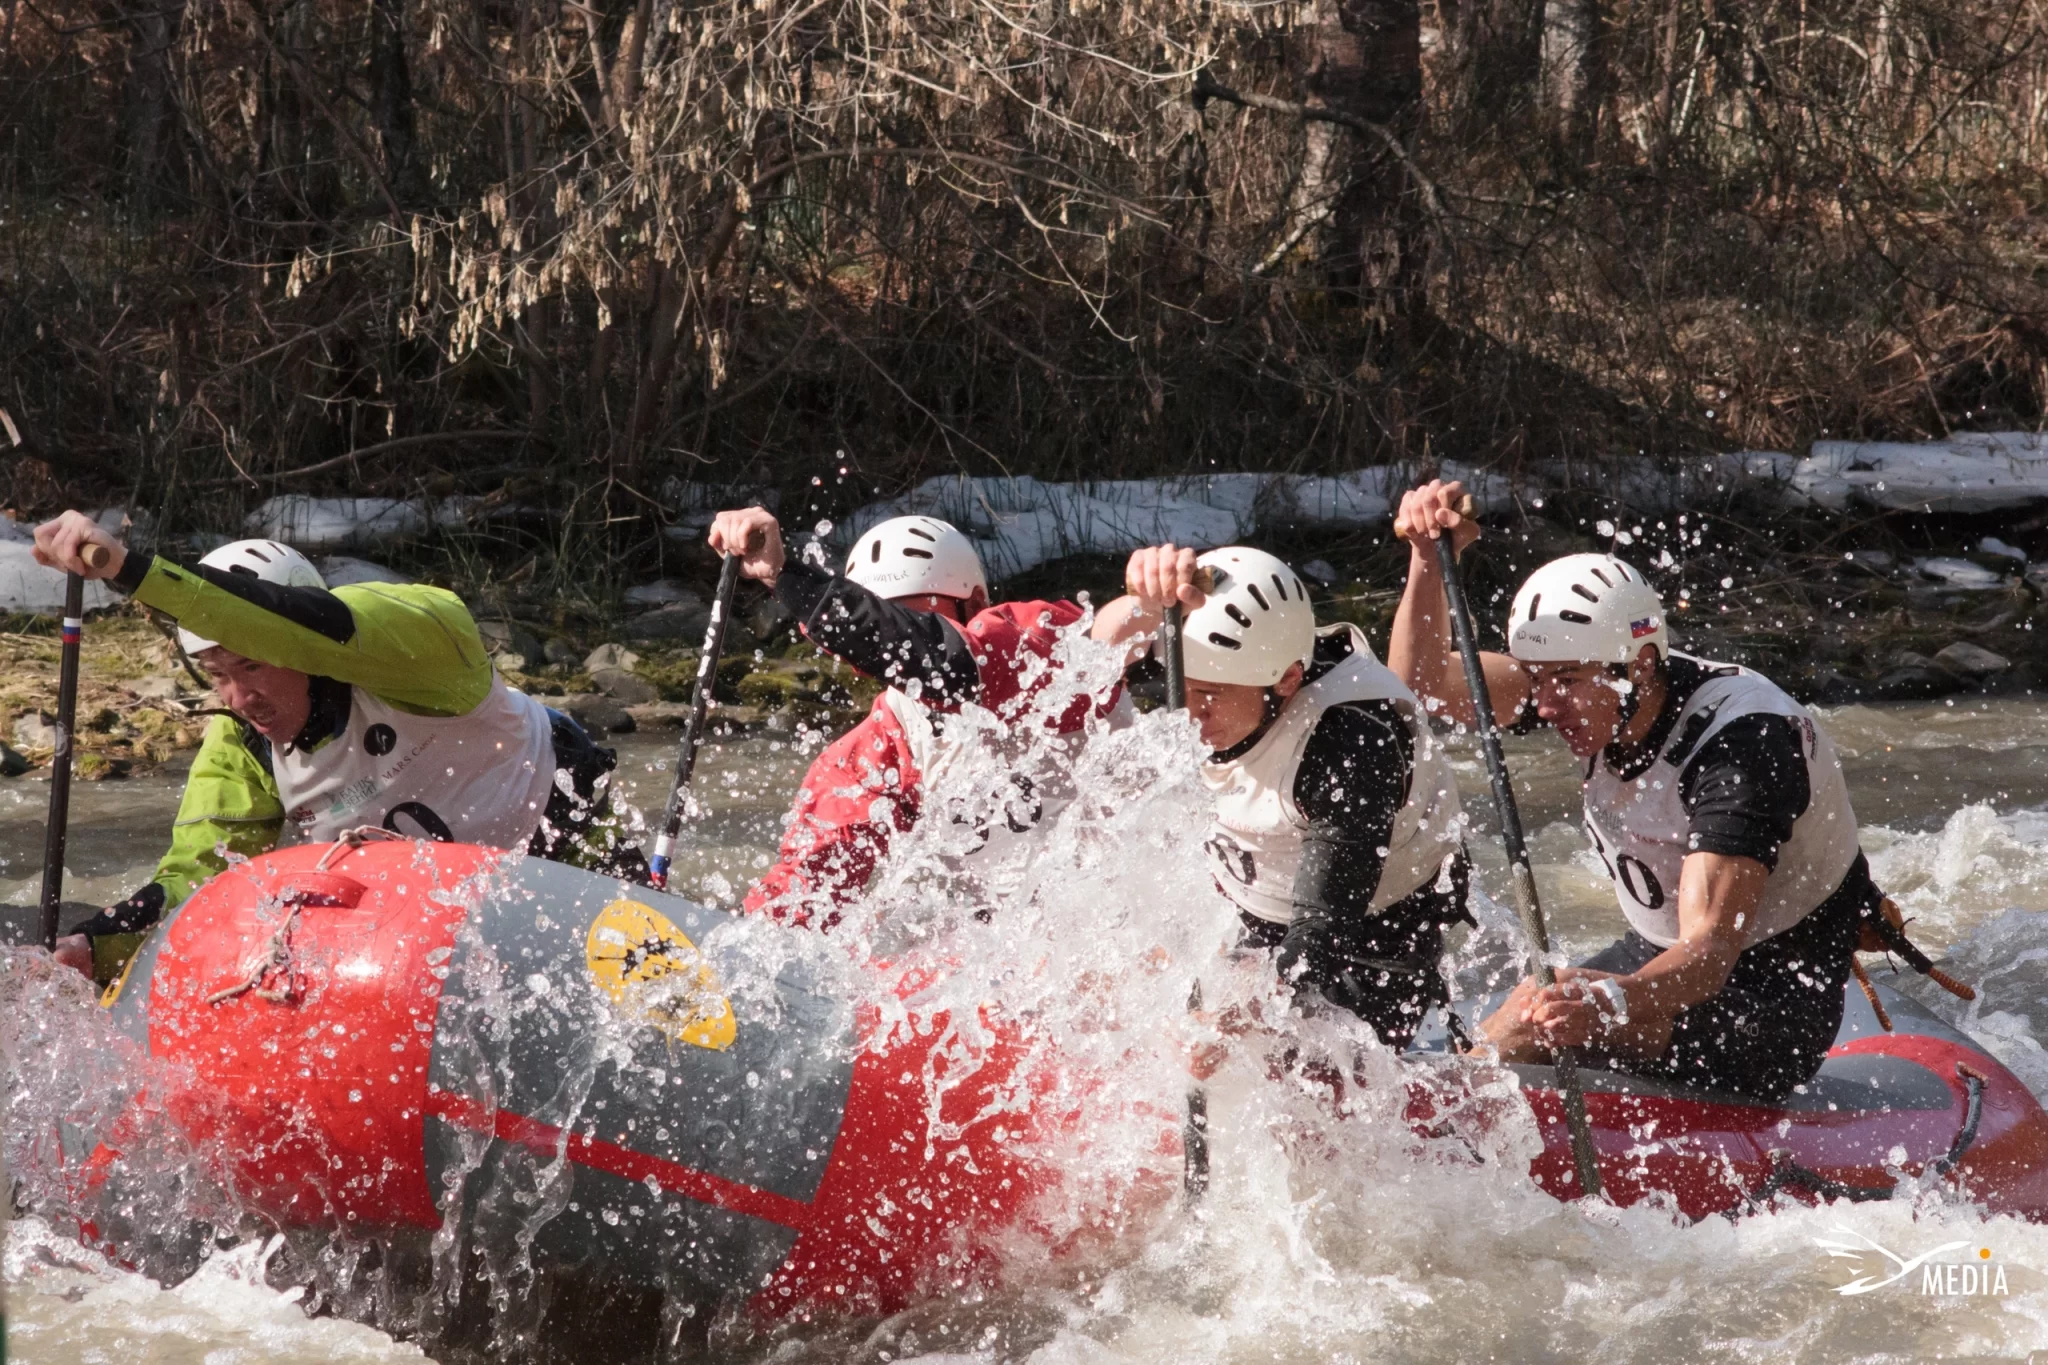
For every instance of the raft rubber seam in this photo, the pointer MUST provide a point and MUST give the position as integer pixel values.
(624, 1162)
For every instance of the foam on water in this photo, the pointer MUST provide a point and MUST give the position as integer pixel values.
(1331, 1230)
(72, 1304)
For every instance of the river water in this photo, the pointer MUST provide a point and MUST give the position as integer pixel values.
(1350, 1251)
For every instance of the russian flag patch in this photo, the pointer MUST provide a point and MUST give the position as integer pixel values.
(1638, 629)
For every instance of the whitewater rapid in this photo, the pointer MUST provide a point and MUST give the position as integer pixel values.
(1319, 1240)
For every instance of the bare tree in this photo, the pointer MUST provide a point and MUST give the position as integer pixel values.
(1574, 73)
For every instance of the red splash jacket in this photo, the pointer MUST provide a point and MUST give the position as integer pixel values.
(864, 788)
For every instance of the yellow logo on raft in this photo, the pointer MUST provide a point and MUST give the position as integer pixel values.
(649, 968)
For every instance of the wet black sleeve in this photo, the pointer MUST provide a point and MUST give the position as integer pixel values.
(1745, 788)
(1145, 681)
(131, 916)
(1353, 780)
(893, 644)
(316, 609)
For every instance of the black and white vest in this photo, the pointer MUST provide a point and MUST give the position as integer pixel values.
(479, 778)
(1259, 832)
(1638, 825)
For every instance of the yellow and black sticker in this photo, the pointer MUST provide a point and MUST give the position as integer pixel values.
(650, 969)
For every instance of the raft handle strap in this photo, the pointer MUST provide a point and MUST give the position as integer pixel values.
(350, 840)
(1884, 1020)
(1785, 1172)
(1973, 1082)
(1887, 925)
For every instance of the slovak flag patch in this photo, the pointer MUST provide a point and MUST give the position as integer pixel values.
(1638, 629)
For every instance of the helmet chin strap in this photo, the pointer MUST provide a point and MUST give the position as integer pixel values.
(1631, 696)
(1269, 712)
(1274, 701)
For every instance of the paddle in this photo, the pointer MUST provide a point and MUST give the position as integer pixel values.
(1194, 1136)
(1519, 874)
(73, 628)
(693, 733)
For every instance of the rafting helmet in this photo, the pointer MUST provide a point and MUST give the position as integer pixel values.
(1586, 609)
(264, 559)
(1255, 624)
(912, 556)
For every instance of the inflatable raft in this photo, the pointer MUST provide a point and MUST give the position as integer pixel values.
(383, 1036)
(323, 1015)
(1920, 1098)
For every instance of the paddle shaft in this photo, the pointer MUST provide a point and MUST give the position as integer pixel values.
(693, 733)
(1194, 1133)
(1523, 880)
(60, 762)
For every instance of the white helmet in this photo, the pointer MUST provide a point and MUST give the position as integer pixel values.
(264, 559)
(912, 556)
(1256, 624)
(1586, 609)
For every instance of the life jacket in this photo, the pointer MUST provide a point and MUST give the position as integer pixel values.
(1259, 832)
(482, 777)
(1639, 825)
(871, 783)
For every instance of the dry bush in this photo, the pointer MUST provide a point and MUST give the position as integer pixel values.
(604, 250)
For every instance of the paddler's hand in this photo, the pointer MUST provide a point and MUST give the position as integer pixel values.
(61, 542)
(1430, 511)
(1159, 575)
(753, 534)
(75, 951)
(1569, 1014)
(1205, 1058)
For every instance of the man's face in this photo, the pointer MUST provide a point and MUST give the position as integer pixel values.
(1230, 713)
(1582, 702)
(1227, 712)
(275, 700)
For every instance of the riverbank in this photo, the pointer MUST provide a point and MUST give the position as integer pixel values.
(1839, 599)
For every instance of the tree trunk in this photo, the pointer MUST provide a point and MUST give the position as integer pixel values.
(391, 97)
(1574, 74)
(1495, 54)
(149, 100)
(1364, 57)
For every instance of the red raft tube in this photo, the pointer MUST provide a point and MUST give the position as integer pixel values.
(323, 1011)
(1918, 1098)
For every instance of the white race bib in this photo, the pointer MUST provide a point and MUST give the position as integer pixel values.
(1639, 826)
(480, 778)
(1257, 839)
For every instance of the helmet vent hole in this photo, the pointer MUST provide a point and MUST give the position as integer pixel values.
(1577, 618)
(257, 554)
(875, 553)
(1222, 641)
(1605, 581)
(1582, 590)
(915, 553)
(1258, 597)
(1236, 613)
(1279, 587)
(1535, 605)
(922, 534)
(243, 569)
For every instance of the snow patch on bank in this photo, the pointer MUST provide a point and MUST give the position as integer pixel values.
(1021, 523)
(27, 586)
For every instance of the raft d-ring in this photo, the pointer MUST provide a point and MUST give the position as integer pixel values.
(276, 961)
(352, 839)
(270, 975)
